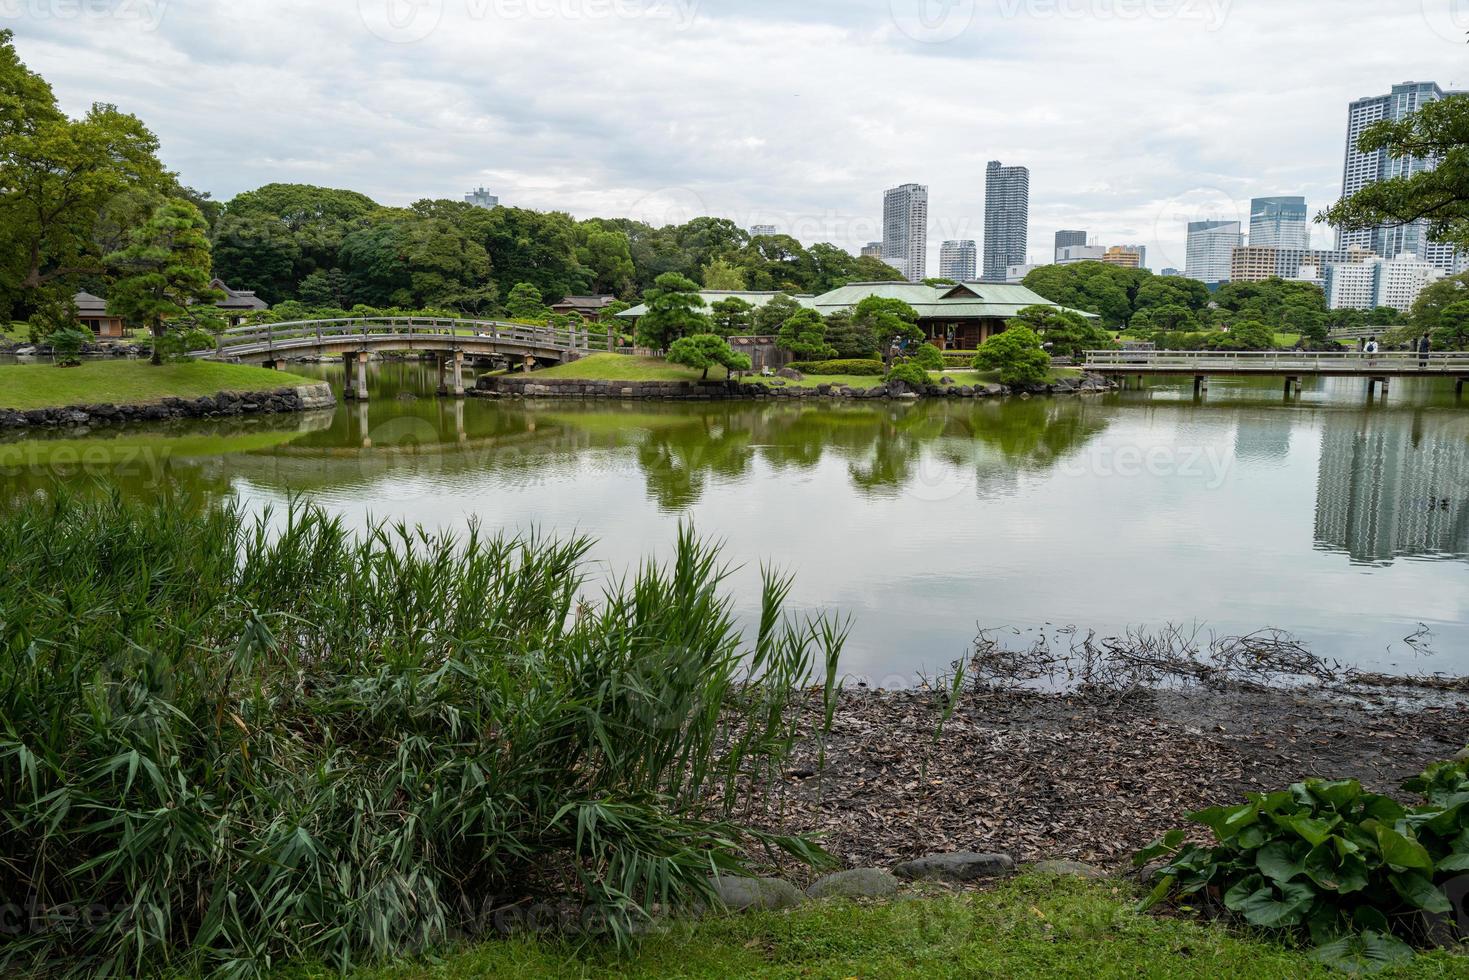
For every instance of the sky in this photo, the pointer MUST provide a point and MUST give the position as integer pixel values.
(1134, 116)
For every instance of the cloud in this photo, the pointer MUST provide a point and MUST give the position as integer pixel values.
(1128, 112)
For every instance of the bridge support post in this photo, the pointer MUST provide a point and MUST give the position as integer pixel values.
(354, 364)
(451, 374)
(1292, 385)
(1459, 387)
(1201, 385)
(1373, 383)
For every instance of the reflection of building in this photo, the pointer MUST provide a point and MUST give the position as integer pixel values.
(1391, 487)
(1261, 439)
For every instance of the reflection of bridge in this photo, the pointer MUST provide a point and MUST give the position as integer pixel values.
(1293, 365)
(356, 339)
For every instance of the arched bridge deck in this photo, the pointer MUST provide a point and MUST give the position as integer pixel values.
(1291, 365)
(357, 338)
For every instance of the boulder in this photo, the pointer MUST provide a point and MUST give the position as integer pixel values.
(1462, 755)
(958, 866)
(791, 374)
(1070, 869)
(856, 883)
(742, 894)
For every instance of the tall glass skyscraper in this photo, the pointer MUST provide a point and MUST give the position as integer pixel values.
(958, 261)
(1006, 218)
(1211, 246)
(1280, 222)
(905, 230)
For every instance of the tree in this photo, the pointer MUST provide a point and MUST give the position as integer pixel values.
(732, 316)
(163, 271)
(1438, 131)
(1435, 297)
(888, 320)
(1067, 334)
(58, 176)
(326, 289)
(607, 254)
(720, 274)
(849, 338)
(524, 303)
(675, 309)
(804, 335)
(703, 351)
(1017, 354)
(1245, 335)
(928, 357)
(773, 315)
(1453, 327)
(1094, 287)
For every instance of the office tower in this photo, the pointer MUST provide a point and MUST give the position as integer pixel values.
(958, 261)
(905, 230)
(1067, 254)
(1361, 169)
(872, 250)
(1280, 222)
(481, 198)
(1211, 245)
(1127, 256)
(759, 231)
(1006, 218)
(1067, 239)
(1375, 282)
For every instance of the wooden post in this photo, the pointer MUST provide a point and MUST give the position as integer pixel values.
(349, 375)
(456, 375)
(443, 364)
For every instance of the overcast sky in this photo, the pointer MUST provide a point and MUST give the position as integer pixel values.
(1134, 116)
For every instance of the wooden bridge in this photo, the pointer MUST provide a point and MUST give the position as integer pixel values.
(1378, 369)
(356, 339)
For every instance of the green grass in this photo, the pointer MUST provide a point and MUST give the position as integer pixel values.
(622, 367)
(26, 386)
(1032, 927)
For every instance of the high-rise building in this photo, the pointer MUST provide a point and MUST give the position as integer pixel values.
(905, 230)
(1067, 254)
(1256, 263)
(1376, 282)
(759, 231)
(481, 198)
(1067, 239)
(1017, 273)
(872, 250)
(1211, 245)
(1280, 222)
(958, 261)
(1362, 169)
(1006, 218)
(1127, 256)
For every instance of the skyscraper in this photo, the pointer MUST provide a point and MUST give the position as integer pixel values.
(872, 250)
(1067, 239)
(958, 261)
(1280, 222)
(1361, 169)
(1006, 218)
(905, 230)
(1211, 245)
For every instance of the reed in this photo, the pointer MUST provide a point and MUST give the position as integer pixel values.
(228, 743)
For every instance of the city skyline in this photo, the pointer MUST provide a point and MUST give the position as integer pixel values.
(338, 98)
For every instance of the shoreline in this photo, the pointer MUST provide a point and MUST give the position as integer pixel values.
(286, 399)
(1088, 776)
(529, 387)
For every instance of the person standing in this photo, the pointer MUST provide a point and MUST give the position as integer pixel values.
(1425, 344)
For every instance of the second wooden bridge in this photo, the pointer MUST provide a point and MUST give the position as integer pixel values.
(1378, 369)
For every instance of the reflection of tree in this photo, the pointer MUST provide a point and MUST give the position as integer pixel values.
(677, 462)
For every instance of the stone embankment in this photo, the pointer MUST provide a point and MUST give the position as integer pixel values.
(304, 398)
(528, 386)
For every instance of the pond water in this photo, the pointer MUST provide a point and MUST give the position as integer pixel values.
(1343, 523)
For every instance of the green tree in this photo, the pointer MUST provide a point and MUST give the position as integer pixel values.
(888, 319)
(732, 316)
(1018, 356)
(675, 309)
(928, 357)
(773, 315)
(1244, 335)
(58, 176)
(804, 335)
(1453, 327)
(524, 303)
(1439, 131)
(163, 271)
(326, 289)
(1093, 287)
(703, 351)
(720, 274)
(849, 338)
(1435, 297)
(607, 254)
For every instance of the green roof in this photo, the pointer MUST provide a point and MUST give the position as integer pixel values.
(969, 300)
(756, 298)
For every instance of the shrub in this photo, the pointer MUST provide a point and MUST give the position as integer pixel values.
(1017, 355)
(928, 357)
(1353, 871)
(910, 374)
(248, 742)
(703, 351)
(864, 367)
(67, 344)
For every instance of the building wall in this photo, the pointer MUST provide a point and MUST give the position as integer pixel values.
(1280, 222)
(1068, 254)
(958, 261)
(1068, 239)
(1006, 218)
(1126, 257)
(1211, 246)
(905, 230)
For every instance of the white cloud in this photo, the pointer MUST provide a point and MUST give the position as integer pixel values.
(1129, 113)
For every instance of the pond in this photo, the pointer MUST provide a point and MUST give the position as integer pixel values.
(1346, 524)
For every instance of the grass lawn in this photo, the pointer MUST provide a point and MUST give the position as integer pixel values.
(1032, 927)
(129, 382)
(624, 367)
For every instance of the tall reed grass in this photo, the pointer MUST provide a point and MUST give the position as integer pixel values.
(226, 743)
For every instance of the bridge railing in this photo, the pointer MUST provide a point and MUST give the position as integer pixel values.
(1306, 362)
(303, 334)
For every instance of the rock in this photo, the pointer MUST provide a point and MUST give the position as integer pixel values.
(791, 374)
(1462, 755)
(742, 894)
(1070, 869)
(907, 396)
(959, 866)
(946, 380)
(856, 883)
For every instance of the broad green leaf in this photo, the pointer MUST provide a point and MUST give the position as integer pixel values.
(1402, 853)
(1382, 808)
(1454, 862)
(1166, 844)
(1278, 906)
(1419, 891)
(1282, 860)
(1338, 795)
(1313, 830)
(1226, 821)
(1335, 872)
(1236, 896)
(1368, 952)
(1368, 919)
